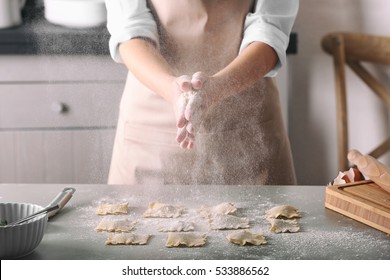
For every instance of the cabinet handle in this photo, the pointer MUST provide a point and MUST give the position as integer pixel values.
(59, 107)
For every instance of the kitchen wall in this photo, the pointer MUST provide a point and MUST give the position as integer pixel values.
(311, 101)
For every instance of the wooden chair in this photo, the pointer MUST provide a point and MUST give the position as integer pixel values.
(351, 49)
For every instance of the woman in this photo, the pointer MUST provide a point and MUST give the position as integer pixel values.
(226, 53)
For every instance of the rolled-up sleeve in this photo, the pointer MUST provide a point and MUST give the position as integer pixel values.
(127, 19)
(271, 23)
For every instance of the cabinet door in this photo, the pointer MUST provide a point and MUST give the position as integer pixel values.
(56, 156)
(45, 105)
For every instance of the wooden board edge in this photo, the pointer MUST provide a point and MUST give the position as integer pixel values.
(357, 218)
(335, 191)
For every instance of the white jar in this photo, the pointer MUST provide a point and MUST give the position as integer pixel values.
(11, 12)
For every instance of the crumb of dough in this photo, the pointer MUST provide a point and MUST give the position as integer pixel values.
(112, 209)
(162, 210)
(283, 211)
(280, 225)
(117, 225)
(246, 237)
(222, 208)
(176, 226)
(222, 221)
(126, 238)
(188, 239)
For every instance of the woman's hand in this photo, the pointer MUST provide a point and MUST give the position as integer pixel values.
(182, 86)
(200, 100)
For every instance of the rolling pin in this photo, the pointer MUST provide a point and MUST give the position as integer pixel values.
(371, 168)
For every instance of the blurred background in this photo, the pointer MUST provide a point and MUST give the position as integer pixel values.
(60, 90)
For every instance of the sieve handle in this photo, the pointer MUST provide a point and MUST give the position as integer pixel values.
(61, 199)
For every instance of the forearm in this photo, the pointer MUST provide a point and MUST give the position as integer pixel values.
(244, 71)
(148, 66)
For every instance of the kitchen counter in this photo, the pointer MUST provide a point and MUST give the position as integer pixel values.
(324, 234)
(38, 36)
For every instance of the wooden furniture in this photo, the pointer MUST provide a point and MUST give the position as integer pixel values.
(352, 49)
(58, 117)
(363, 201)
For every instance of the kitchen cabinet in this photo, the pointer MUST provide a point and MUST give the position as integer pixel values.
(58, 117)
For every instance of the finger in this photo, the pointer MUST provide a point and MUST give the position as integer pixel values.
(190, 128)
(190, 145)
(184, 83)
(193, 105)
(189, 108)
(184, 144)
(197, 80)
(181, 135)
(180, 107)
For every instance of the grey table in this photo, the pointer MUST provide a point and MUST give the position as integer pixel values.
(324, 234)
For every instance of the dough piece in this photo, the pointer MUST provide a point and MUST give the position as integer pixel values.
(283, 211)
(221, 221)
(189, 239)
(243, 237)
(122, 225)
(115, 209)
(280, 225)
(223, 208)
(161, 210)
(177, 226)
(126, 238)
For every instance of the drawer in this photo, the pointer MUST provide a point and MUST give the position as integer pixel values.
(15, 68)
(59, 105)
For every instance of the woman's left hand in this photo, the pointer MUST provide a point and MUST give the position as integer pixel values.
(199, 101)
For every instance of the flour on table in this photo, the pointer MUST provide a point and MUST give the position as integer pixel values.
(222, 221)
(116, 225)
(113, 209)
(283, 211)
(127, 239)
(162, 210)
(223, 208)
(176, 226)
(188, 239)
(281, 225)
(243, 237)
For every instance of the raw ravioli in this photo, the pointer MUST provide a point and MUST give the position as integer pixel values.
(176, 226)
(162, 210)
(106, 209)
(221, 221)
(117, 225)
(188, 239)
(243, 237)
(283, 211)
(223, 208)
(127, 239)
(281, 225)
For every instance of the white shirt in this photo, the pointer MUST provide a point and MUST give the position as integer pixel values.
(270, 22)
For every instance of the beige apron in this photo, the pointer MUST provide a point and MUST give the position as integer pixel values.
(242, 141)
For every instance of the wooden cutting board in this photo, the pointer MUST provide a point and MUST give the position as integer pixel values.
(363, 201)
